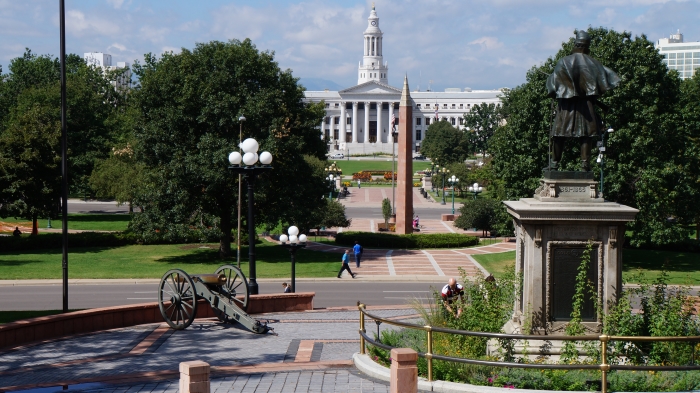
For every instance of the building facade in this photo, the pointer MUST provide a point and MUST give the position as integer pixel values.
(683, 57)
(104, 61)
(358, 119)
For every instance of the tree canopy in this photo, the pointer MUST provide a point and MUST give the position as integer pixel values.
(444, 144)
(189, 105)
(481, 122)
(645, 154)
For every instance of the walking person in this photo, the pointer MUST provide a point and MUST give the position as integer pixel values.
(359, 183)
(346, 265)
(358, 250)
(287, 288)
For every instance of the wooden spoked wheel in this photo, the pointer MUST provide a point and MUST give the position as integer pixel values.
(177, 299)
(235, 289)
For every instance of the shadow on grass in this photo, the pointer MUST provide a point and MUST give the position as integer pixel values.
(634, 259)
(266, 253)
(102, 217)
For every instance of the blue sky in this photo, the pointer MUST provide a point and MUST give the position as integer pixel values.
(454, 43)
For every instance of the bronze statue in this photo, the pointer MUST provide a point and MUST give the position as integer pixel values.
(577, 82)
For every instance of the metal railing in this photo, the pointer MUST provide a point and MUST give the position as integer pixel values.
(604, 367)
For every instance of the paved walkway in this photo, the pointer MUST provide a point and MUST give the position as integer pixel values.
(310, 352)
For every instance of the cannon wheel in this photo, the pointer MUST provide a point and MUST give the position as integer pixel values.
(236, 285)
(177, 299)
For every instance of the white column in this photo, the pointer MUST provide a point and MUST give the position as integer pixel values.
(354, 122)
(332, 134)
(365, 133)
(343, 122)
(388, 130)
(323, 121)
(380, 129)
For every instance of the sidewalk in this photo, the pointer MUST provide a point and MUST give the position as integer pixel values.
(311, 352)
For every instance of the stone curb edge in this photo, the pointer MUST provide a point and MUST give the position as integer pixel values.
(364, 364)
(155, 281)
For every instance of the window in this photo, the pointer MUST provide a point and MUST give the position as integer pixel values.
(427, 121)
(468, 105)
(453, 106)
(328, 105)
(337, 105)
(348, 120)
(417, 121)
(696, 55)
(335, 134)
(418, 135)
(328, 120)
(336, 121)
(461, 121)
(461, 106)
(444, 106)
(418, 106)
(452, 120)
(671, 55)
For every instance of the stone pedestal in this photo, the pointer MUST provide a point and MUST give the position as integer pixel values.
(404, 371)
(427, 182)
(194, 377)
(552, 231)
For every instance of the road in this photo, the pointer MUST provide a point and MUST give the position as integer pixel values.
(343, 292)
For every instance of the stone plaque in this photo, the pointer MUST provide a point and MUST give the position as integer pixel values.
(565, 263)
(580, 191)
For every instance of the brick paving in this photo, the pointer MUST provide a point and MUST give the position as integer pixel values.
(309, 352)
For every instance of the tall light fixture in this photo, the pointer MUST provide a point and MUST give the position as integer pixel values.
(64, 155)
(295, 243)
(241, 119)
(250, 171)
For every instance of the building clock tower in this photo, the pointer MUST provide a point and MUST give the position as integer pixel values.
(372, 67)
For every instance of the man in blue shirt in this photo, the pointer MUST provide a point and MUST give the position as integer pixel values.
(358, 253)
(346, 264)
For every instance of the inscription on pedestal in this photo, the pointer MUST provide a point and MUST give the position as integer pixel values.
(565, 263)
(575, 232)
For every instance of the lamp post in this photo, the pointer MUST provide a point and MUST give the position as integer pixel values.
(294, 244)
(453, 180)
(444, 172)
(600, 160)
(241, 119)
(250, 171)
(334, 173)
(394, 134)
(475, 188)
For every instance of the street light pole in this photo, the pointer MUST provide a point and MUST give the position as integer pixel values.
(453, 181)
(64, 155)
(295, 243)
(241, 119)
(475, 188)
(393, 169)
(444, 173)
(250, 171)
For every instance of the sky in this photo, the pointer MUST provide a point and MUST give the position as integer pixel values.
(437, 43)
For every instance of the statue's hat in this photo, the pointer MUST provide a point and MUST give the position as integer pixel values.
(582, 37)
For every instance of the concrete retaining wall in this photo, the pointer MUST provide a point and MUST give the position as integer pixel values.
(53, 326)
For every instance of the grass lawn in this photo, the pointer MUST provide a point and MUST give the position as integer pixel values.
(11, 316)
(683, 268)
(350, 167)
(85, 222)
(152, 261)
(496, 264)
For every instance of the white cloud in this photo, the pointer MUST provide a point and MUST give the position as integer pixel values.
(117, 4)
(607, 16)
(170, 49)
(117, 46)
(488, 43)
(154, 34)
(80, 24)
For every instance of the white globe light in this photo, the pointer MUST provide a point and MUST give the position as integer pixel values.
(265, 158)
(293, 231)
(302, 238)
(250, 159)
(235, 158)
(293, 239)
(476, 186)
(283, 238)
(249, 145)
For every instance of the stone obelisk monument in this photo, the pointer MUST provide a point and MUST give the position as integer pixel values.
(404, 173)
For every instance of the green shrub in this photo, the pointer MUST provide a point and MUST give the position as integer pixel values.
(55, 240)
(389, 240)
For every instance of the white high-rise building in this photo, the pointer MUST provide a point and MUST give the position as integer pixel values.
(358, 119)
(104, 61)
(683, 57)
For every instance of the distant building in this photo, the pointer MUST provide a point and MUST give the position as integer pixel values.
(104, 61)
(678, 55)
(358, 119)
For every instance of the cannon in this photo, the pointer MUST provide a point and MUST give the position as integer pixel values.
(226, 291)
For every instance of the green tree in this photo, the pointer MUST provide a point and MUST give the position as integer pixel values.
(444, 143)
(334, 214)
(190, 103)
(480, 213)
(386, 211)
(481, 122)
(120, 176)
(641, 163)
(30, 174)
(689, 158)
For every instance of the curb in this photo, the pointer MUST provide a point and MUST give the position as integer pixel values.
(364, 364)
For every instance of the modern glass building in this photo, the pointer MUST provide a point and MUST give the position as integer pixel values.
(683, 57)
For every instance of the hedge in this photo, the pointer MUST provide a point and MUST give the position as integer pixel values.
(390, 240)
(54, 240)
